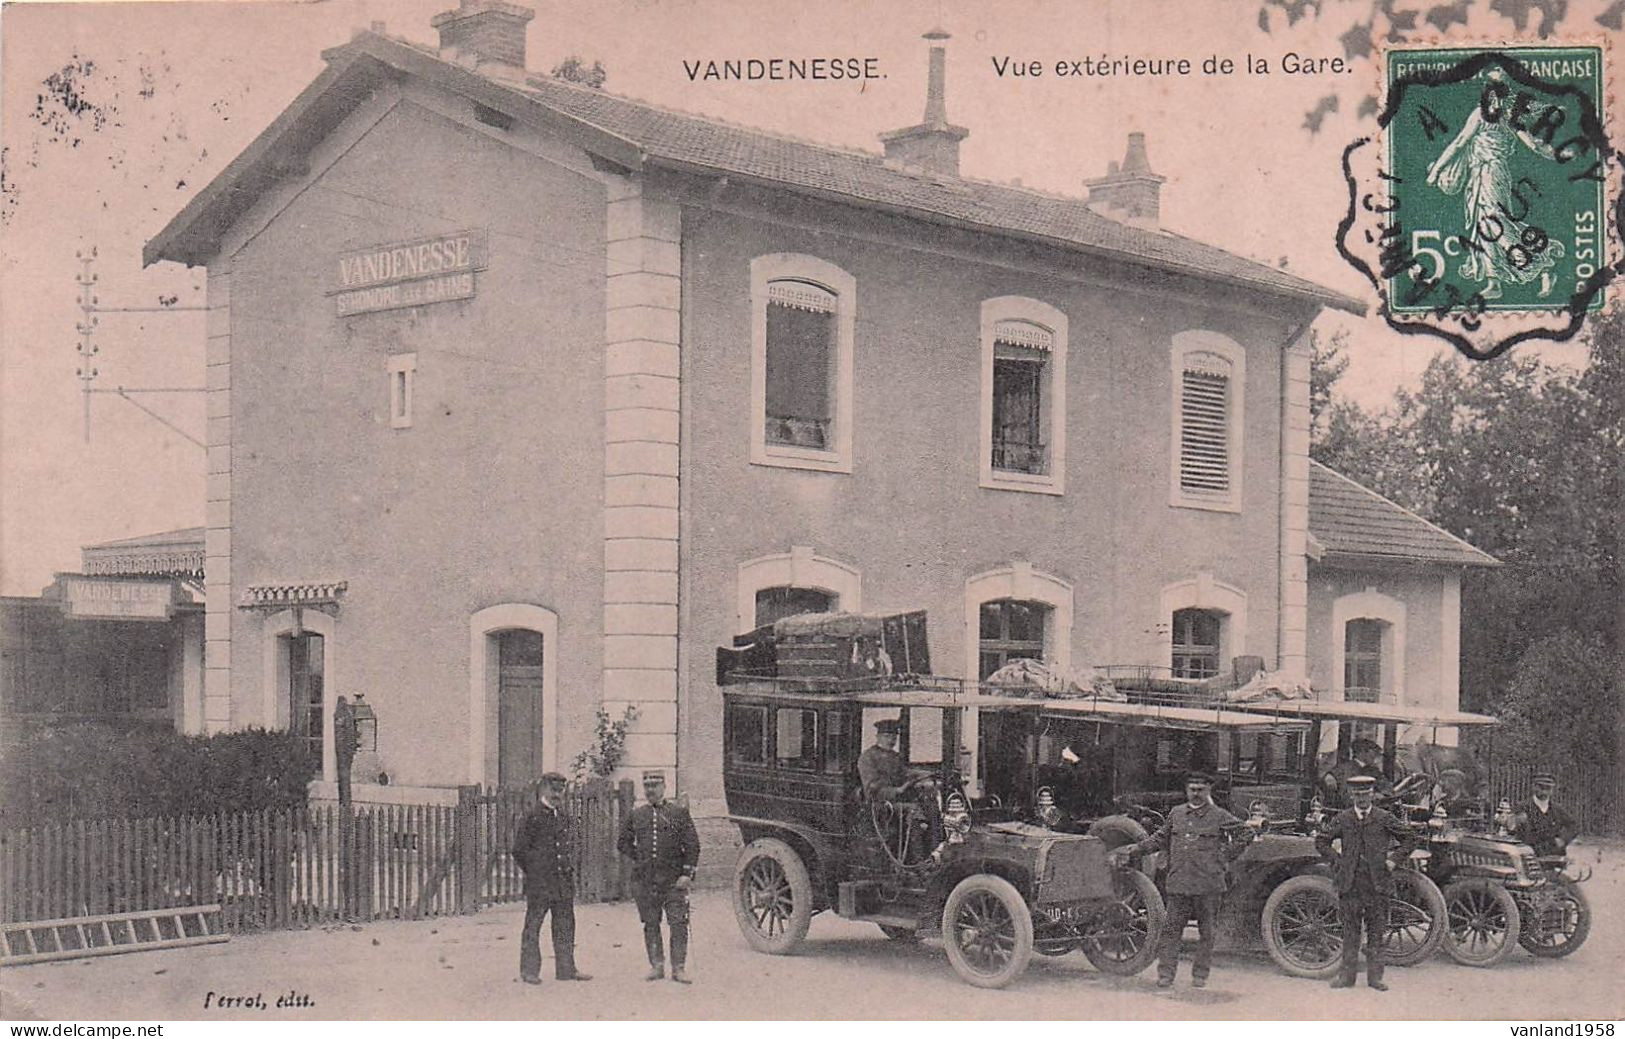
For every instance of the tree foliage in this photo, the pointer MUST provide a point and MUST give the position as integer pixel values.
(1525, 460)
(98, 770)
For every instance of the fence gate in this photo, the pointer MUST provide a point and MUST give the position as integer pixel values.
(491, 817)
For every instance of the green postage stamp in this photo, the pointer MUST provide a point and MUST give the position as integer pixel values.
(1483, 203)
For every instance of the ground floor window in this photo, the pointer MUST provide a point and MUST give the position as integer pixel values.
(1362, 660)
(1011, 629)
(1196, 643)
(773, 604)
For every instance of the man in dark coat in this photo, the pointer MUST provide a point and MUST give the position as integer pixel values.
(1192, 841)
(659, 837)
(1360, 873)
(1541, 824)
(543, 849)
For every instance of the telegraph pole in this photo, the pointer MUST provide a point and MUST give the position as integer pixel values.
(87, 327)
(90, 306)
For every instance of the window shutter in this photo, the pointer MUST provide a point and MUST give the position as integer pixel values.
(1204, 431)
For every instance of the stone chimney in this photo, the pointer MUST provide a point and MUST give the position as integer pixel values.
(1131, 192)
(486, 35)
(933, 145)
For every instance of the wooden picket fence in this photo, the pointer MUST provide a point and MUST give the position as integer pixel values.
(307, 866)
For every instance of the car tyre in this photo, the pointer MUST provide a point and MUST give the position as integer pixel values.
(987, 930)
(1126, 943)
(1551, 942)
(1482, 922)
(1301, 927)
(1416, 920)
(772, 896)
(1115, 831)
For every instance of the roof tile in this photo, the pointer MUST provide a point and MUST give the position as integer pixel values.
(1349, 519)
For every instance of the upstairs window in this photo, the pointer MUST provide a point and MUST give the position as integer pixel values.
(1021, 392)
(800, 365)
(1204, 427)
(1023, 437)
(802, 330)
(1207, 376)
(1196, 643)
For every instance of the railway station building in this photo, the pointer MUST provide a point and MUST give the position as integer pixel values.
(525, 396)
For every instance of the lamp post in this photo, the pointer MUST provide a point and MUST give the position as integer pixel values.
(354, 726)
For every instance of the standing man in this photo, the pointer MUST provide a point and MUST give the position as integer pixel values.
(1542, 825)
(1360, 873)
(544, 852)
(1192, 840)
(659, 837)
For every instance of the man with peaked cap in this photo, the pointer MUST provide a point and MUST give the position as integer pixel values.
(545, 853)
(882, 771)
(1192, 841)
(660, 839)
(1541, 824)
(1360, 873)
(1365, 760)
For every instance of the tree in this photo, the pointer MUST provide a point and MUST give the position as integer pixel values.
(575, 70)
(1526, 461)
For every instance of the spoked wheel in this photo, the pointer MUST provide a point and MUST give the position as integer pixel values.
(1125, 941)
(1301, 927)
(1558, 924)
(1416, 920)
(1483, 922)
(772, 896)
(987, 931)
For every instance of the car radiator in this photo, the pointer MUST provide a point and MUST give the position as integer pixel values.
(1073, 869)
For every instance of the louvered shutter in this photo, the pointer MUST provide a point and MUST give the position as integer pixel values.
(1204, 431)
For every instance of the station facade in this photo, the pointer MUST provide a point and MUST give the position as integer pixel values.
(524, 397)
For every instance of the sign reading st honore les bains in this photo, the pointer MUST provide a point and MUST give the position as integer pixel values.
(409, 274)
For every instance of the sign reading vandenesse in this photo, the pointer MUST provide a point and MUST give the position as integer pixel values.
(409, 274)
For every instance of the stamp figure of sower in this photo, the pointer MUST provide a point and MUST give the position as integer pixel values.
(1477, 165)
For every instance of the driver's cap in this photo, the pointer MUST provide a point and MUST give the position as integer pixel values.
(1362, 783)
(888, 725)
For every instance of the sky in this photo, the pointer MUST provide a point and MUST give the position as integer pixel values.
(113, 116)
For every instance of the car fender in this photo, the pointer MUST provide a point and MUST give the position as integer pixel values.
(817, 849)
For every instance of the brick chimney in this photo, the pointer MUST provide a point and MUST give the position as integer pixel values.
(486, 35)
(933, 145)
(1131, 192)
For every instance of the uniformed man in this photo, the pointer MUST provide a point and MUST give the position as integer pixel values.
(543, 849)
(659, 837)
(1360, 872)
(1541, 824)
(1191, 840)
(1365, 760)
(882, 771)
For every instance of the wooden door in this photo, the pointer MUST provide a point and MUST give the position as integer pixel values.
(519, 710)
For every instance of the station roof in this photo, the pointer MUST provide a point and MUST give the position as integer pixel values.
(636, 135)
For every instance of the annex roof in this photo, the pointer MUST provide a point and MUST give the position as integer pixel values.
(1352, 521)
(168, 552)
(635, 135)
